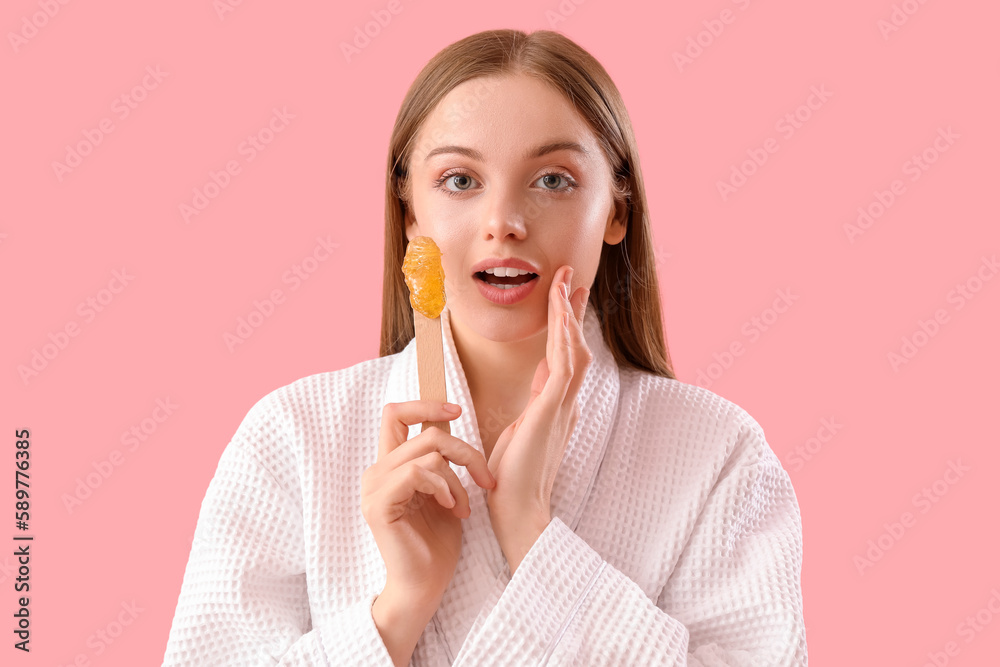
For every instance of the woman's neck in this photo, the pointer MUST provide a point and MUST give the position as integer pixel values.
(499, 376)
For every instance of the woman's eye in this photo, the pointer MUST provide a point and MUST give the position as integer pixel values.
(551, 182)
(456, 183)
(462, 182)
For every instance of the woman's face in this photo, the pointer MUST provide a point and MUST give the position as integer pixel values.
(505, 167)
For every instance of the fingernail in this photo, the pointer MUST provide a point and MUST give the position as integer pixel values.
(451, 408)
(562, 291)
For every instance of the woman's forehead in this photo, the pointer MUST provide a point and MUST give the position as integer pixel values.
(496, 99)
(511, 116)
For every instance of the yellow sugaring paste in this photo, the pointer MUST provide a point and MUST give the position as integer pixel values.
(424, 276)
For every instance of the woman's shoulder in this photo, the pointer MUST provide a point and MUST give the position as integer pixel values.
(694, 417)
(680, 400)
(295, 425)
(293, 431)
(329, 394)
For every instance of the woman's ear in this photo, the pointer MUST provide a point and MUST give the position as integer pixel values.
(409, 223)
(615, 230)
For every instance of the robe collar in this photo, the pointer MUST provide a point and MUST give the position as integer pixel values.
(597, 398)
(483, 572)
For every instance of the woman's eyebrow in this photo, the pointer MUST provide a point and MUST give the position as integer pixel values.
(537, 152)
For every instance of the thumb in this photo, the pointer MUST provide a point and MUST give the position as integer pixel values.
(539, 380)
(501, 445)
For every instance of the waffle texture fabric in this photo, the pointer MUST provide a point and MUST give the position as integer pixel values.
(675, 537)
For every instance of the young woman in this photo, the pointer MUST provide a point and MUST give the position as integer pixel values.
(587, 508)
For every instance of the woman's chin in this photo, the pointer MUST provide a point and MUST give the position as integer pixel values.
(497, 324)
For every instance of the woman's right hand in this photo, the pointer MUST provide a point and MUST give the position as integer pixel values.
(414, 502)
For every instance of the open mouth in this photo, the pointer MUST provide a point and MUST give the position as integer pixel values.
(506, 281)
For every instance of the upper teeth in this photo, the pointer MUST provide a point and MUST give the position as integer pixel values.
(503, 271)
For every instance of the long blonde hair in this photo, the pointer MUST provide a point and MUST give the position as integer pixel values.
(625, 293)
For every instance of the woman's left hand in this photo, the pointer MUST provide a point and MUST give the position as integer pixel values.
(527, 455)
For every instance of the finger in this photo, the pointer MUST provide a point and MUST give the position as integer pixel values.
(398, 417)
(553, 311)
(439, 487)
(579, 352)
(538, 380)
(582, 358)
(458, 493)
(575, 306)
(561, 366)
(434, 440)
(411, 480)
(557, 306)
(579, 303)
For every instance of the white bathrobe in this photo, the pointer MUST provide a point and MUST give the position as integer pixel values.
(675, 536)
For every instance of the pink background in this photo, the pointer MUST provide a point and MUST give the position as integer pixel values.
(824, 360)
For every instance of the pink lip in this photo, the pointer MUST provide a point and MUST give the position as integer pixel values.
(506, 297)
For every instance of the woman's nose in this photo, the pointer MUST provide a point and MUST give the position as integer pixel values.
(506, 214)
